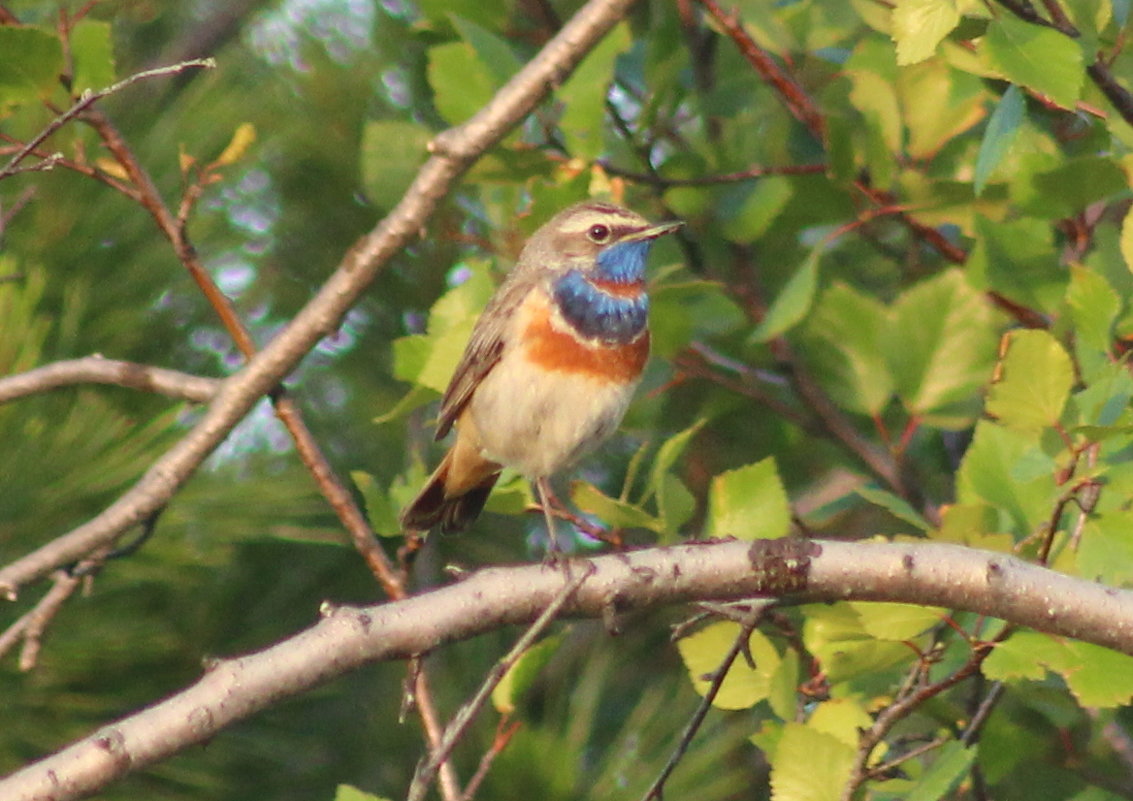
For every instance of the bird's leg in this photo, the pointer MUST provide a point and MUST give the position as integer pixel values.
(549, 503)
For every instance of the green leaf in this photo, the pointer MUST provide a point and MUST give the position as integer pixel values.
(1101, 678)
(380, 511)
(939, 104)
(464, 75)
(1094, 306)
(92, 50)
(613, 512)
(392, 152)
(919, 25)
(941, 348)
(1106, 398)
(1106, 551)
(584, 95)
(1097, 676)
(989, 472)
(843, 718)
(522, 674)
(754, 206)
(793, 302)
(749, 503)
(682, 312)
(783, 694)
(835, 635)
(1018, 259)
(810, 765)
(1037, 57)
(1035, 378)
(493, 51)
(345, 792)
(429, 359)
(895, 505)
(703, 652)
(31, 61)
(1127, 239)
(950, 767)
(1027, 655)
(672, 496)
(1069, 188)
(1002, 131)
(894, 621)
(843, 337)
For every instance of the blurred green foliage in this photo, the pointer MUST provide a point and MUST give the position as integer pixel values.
(911, 322)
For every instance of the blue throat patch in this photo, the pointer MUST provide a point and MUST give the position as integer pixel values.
(598, 315)
(623, 263)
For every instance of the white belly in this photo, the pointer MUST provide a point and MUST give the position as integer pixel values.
(540, 422)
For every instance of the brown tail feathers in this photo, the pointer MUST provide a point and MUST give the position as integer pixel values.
(450, 501)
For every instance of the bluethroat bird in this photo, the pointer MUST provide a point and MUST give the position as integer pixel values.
(550, 366)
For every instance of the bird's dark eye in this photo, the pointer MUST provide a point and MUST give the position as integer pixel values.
(598, 233)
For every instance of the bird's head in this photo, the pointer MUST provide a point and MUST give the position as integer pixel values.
(602, 241)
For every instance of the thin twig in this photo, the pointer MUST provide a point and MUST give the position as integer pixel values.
(972, 732)
(504, 732)
(434, 734)
(88, 98)
(425, 772)
(658, 180)
(31, 626)
(797, 101)
(739, 646)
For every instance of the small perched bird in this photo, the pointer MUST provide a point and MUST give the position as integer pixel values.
(551, 364)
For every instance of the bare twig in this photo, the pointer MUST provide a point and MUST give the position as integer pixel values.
(797, 101)
(739, 646)
(31, 625)
(97, 370)
(504, 732)
(453, 152)
(897, 711)
(87, 99)
(434, 733)
(425, 772)
(655, 179)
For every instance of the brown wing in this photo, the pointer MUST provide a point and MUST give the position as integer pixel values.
(482, 353)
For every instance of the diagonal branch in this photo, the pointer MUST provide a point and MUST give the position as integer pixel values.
(454, 151)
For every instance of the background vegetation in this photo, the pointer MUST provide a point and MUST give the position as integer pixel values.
(899, 307)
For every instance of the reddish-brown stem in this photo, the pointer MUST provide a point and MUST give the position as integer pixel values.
(174, 229)
(504, 732)
(796, 99)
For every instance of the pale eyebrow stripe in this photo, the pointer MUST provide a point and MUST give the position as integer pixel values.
(619, 222)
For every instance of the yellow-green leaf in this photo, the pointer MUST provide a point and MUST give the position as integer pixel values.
(749, 503)
(1035, 380)
(919, 25)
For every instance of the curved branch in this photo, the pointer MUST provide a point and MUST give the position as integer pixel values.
(453, 151)
(97, 370)
(951, 576)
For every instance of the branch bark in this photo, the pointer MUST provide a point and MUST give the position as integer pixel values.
(454, 151)
(951, 576)
(97, 370)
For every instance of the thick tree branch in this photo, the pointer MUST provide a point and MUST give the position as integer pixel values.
(454, 151)
(97, 370)
(951, 576)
